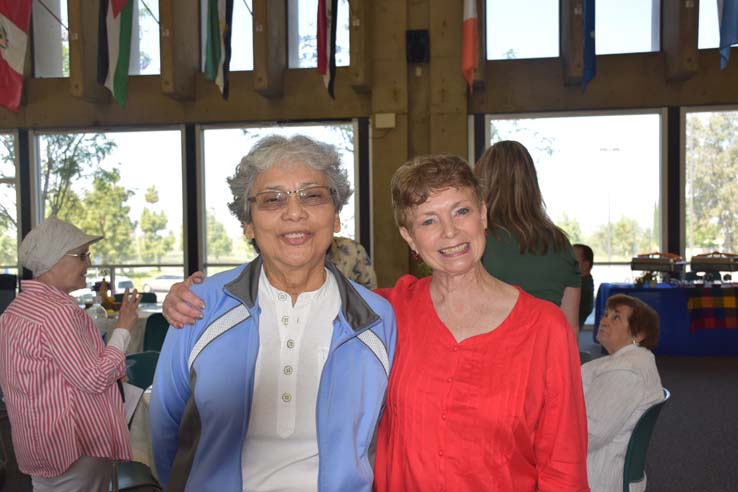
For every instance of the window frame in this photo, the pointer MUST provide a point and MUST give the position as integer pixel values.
(663, 154)
(360, 189)
(683, 110)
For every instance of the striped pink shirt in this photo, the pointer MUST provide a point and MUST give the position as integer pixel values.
(58, 380)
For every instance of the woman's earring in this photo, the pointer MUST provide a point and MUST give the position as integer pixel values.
(414, 254)
(635, 342)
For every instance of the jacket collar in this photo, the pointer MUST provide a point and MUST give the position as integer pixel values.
(356, 311)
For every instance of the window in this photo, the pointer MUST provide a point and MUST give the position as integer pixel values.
(242, 35)
(711, 209)
(600, 179)
(8, 207)
(302, 47)
(223, 149)
(627, 26)
(50, 38)
(708, 34)
(145, 55)
(126, 186)
(512, 32)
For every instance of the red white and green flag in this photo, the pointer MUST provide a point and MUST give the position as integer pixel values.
(218, 44)
(15, 18)
(326, 36)
(114, 46)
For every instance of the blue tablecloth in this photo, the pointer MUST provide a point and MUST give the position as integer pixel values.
(671, 303)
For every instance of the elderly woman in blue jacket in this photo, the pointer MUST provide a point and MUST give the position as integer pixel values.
(281, 383)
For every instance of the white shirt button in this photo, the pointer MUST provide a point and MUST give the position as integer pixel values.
(290, 343)
(285, 320)
(282, 297)
(286, 397)
(287, 370)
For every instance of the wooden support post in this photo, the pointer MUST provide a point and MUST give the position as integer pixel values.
(360, 43)
(572, 40)
(180, 47)
(270, 46)
(83, 28)
(680, 23)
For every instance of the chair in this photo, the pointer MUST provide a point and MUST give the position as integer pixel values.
(155, 333)
(146, 297)
(8, 285)
(584, 357)
(140, 368)
(634, 469)
(132, 475)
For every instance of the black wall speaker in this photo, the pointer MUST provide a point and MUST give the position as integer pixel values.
(418, 46)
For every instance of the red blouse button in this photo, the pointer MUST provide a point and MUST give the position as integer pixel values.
(443, 416)
(456, 349)
(448, 380)
(440, 453)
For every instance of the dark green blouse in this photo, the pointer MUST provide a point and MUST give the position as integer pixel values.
(543, 276)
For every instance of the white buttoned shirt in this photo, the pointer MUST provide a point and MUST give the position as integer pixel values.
(281, 448)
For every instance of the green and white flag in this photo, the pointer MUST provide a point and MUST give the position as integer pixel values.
(218, 44)
(114, 46)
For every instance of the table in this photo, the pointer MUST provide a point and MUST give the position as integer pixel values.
(107, 325)
(694, 320)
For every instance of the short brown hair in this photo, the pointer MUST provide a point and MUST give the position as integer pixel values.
(417, 179)
(642, 321)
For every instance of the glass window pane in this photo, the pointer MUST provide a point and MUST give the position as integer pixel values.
(223, 150)
(302, 48)
(599, 176)
(8, 207)
(512, 32)
(124, 185)
(50, 39)
(242, 35)
(627, 26)
(147, 54)
(709, 26)
(711, 222)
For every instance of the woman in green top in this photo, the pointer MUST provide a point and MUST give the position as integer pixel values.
(524, 247)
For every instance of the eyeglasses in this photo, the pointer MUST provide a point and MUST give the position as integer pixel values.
(87, 255)
(276, 199)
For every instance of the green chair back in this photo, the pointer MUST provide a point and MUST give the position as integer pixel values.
(146, 297)
(140, 368)
(584, 357)
(635, 456)
(156, 332)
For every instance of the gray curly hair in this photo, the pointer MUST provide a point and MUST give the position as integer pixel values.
(273, 149)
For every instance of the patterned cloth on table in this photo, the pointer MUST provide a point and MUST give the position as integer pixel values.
(713, 308)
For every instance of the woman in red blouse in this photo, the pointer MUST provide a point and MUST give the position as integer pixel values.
(485, 391)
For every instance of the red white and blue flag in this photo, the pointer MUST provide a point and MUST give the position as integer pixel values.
(15, 19)
(327, 19)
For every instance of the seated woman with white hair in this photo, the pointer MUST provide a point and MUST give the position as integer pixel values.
(619, 388)
(58, 378)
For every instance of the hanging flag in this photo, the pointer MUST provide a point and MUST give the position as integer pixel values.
(114, 46)
(470, 50)
(327, 20)
(590, 60)
(15, 18)
(728, 18)
(218, 44)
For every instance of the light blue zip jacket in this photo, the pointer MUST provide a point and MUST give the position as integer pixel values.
(204, 384)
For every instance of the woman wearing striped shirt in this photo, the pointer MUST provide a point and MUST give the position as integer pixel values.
(57, 376)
